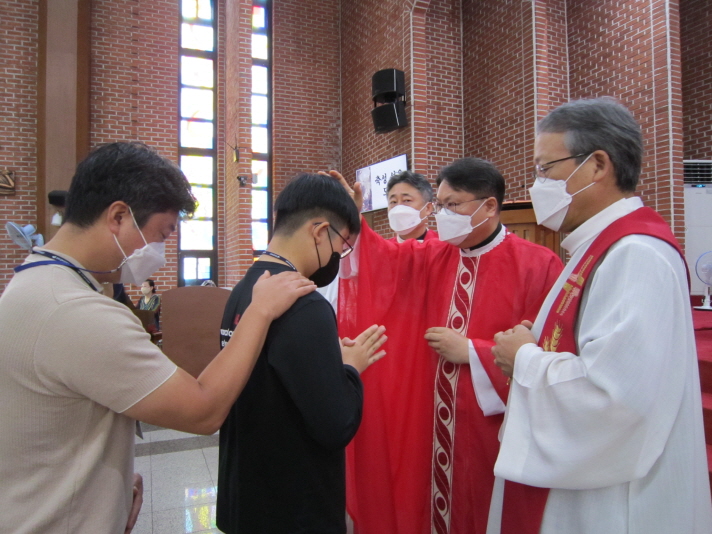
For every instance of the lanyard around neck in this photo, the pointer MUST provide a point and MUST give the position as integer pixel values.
(277, 256)
(56, 260)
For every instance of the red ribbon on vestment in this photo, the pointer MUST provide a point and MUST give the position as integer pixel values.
(523, 507)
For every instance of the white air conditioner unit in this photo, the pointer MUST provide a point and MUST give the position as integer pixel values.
(698, 214)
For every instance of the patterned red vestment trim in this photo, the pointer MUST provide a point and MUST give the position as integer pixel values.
(445, 393)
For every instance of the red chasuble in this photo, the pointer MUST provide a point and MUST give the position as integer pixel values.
(422, 460)
(523, 508)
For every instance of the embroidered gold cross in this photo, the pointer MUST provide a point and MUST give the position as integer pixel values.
(572, 288)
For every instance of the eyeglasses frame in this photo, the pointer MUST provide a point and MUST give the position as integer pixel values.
(438, 207)
(541, 169)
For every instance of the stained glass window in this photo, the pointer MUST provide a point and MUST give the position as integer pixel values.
(204, 270)
(197, 36)
(260, 171)
(196, 103)
(258, 17)
(197, 151)
(260, 140)
(259, 109)
(260, 46)
(261, 127)
(196, 71)
(198, 169)
(190, 268)
(260, 235)
(196, 235)
(197, 9)
(204, 196)
(259, 80)
(196, 134)
(259, 204)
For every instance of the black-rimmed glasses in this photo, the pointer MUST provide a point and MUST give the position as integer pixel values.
(346, 252)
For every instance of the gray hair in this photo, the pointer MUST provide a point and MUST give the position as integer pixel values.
(414, 179)
(600, 124)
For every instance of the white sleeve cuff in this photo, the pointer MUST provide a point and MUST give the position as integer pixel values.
(487, 398)
(522, 372)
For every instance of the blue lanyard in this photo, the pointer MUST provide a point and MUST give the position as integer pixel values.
(275, 255)
(56, 260)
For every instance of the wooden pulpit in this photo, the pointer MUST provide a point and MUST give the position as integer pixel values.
(190, 325)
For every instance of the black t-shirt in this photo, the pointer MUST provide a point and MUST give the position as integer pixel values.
(282, 445)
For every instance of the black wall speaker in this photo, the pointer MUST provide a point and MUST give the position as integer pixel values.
(387, 85)
(389, 117)
(388, 94)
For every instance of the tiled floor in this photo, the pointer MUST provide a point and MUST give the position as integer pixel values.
(180, 474)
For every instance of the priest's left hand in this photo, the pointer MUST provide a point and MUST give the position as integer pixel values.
(508, 343)
(449, 344)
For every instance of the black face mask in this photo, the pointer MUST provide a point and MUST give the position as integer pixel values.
(323, 276)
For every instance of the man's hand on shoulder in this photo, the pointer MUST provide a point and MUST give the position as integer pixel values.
(361, 352)
(449, 344)
(275, 294)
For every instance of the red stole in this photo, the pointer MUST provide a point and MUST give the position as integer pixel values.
(523, 507)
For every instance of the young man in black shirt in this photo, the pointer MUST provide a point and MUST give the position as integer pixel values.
(282, 445)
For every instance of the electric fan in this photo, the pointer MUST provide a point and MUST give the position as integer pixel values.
(24, 236)
(703, 268)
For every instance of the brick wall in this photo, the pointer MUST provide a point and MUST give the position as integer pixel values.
(620, 49)
(514, 64)
(444, 79)
(18, 71)
(498, 88)
(375, 35)
(696, 48)
(307, 107)
(424, 39)
(134, 86)
(306, 119)
(551, 56)
(236, 118)
(223, 152)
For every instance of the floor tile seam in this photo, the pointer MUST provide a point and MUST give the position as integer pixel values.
(175, 445)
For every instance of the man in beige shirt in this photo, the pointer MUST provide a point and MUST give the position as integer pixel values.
(77, 369)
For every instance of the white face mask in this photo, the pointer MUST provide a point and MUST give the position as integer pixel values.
(143, 262)
(404, 219)
(453, 228)
(146, 290)
(551, 201)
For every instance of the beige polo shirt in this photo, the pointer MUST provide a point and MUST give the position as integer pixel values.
(71, 361)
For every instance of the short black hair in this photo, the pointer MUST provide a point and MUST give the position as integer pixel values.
(130, 172)
(314, 195)
(592, 124)
(413, 179)
(152, 284)
(476, 176)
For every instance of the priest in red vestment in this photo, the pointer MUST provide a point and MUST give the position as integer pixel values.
(410, 204)
(422, 460)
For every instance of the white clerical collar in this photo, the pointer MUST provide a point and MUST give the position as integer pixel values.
(489, 246)
(599, 222)
(419, 239)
